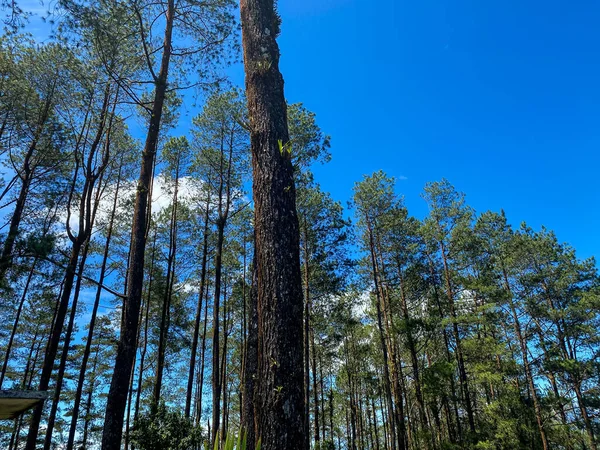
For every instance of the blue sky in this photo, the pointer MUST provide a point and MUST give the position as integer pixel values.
(501, 98)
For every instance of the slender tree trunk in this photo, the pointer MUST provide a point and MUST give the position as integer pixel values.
(200, 389)
(88, 403)
(146, 320)
(65, 353)
(315, 390)
(323, 422)
(117, 395)
(223, 382)
(192, 370)
(584, 414)
(251, 362)
(164, 326)
(306, 335)
(16, 322)
(395, 440)
(464, 380)
(26, 176)
(375, 424)
(526, 365)
(30, 362)
(90, 336)
(449, 359)
(413, 354)
(53, 343)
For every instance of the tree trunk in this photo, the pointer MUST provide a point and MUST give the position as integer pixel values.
(192, 370)
(251, 362)
(216, 367)
(16, 323)
(306, 335)
(117, 395)
(315, 391)
(65, 352)
(200, 389)
(26, 176)
(395, 439)
(279, 408)
(90, 336)
(53, 343)
(526, 365)
(464, 380)
(88, 403)
(164, 325)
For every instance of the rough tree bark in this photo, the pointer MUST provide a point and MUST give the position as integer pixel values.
(279, 401)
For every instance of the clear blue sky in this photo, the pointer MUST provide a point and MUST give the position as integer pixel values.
(500, 97)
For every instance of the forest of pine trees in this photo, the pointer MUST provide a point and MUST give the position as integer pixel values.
(165, 301)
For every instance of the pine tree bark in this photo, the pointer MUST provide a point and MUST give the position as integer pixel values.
(279, 407)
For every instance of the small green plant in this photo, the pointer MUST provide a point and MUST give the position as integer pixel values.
(285, 149)
(233, 443)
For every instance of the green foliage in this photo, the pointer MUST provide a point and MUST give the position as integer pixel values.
(165, 429)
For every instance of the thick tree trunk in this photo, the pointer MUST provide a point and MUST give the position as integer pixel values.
(117, 395)
(279, 407)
